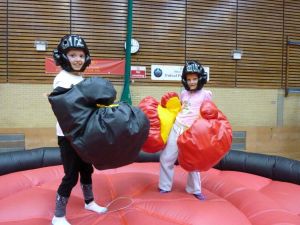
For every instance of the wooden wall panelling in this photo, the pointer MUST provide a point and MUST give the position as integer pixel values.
(259, 35)
(27, 22)
(159, 26)
(292, 30)
(103, 26)
(3, 40)
(293, 67)
(211, 36)
(213, 29)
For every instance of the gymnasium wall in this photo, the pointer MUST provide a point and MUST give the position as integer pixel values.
(169, 32)
(270, 120)
(250, 91)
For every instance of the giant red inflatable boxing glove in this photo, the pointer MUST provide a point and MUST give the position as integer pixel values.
(154, 142)
(207, 141)
(161, 117)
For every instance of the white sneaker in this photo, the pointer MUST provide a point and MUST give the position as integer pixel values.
(93, 206)
(60, 221)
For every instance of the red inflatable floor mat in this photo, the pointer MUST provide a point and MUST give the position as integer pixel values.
(233, 198)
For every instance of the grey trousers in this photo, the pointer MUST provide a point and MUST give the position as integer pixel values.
(168, 158)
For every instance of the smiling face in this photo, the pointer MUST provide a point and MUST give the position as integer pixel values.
(192, 81)
(76, 58)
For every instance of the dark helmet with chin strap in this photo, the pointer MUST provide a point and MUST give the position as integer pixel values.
(70, 41)
(194, 67)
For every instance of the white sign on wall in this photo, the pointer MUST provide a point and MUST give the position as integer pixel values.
(170, 72)
(138, 72)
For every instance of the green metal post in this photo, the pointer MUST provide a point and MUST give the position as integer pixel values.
(126, 96)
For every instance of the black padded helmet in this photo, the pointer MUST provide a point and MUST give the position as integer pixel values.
(194, 67)
(70, 41)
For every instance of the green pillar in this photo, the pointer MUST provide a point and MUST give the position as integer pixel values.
(126, 96)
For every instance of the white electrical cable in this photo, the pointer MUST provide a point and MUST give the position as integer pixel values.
(124, 207)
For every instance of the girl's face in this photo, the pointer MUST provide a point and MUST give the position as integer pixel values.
(76, 58)
(192, 80)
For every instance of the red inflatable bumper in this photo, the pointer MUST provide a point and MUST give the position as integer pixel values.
(233, 198)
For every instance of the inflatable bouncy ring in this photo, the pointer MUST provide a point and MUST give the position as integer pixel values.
(244, 189)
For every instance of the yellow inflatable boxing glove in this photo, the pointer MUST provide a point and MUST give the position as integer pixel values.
(167, 112)
(161, 117)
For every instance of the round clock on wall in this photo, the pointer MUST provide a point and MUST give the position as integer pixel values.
(135, 46)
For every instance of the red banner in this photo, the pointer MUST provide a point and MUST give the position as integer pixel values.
(97, 67)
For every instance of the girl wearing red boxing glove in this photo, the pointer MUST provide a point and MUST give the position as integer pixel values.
(193, 79)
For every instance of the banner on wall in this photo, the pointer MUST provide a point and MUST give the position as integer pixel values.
(170, 72)
(97, 67)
